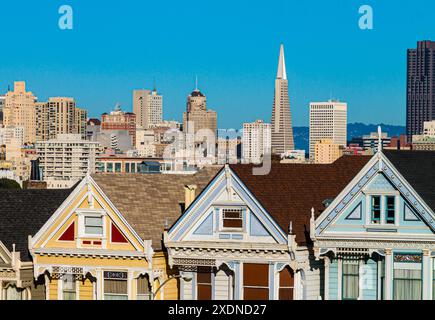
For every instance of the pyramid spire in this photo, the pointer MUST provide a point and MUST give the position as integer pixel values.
(281, 74)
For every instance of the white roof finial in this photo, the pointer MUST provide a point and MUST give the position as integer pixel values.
(281, 74)
(196, 83)
(379, 138)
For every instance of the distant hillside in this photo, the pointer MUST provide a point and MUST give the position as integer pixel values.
(301, 134)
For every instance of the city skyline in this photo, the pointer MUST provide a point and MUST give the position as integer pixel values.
(319, 67)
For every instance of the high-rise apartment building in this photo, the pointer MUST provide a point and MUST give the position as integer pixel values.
(197, 119)
(282, 131)
(256, 141)
(420, 92)
(148, 107)
(328, 120)
(19, 110)
(59, 115)
(119, 120)
(66, 159)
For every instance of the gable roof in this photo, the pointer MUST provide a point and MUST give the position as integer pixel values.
(149, 201)
(289, 191)
(418, 168)
(24, 212)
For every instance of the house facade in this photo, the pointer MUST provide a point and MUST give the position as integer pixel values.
(376, 238)
(246, 236)
(104, 241)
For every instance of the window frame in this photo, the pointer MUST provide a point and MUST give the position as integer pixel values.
(104, 278)
(389, 220)
(372, 218)
(242, 210)
(90, 213)
(61, 289)
(343, 275)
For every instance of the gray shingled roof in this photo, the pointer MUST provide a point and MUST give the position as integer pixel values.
(418, 168)
(24, 212)
(148, 201)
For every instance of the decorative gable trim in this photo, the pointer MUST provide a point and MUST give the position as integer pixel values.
(348, 194)
(227, 180)
(379, 163)
(86, 184)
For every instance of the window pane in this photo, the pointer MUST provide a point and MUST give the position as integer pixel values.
(94, 221)
(376, 209)
(115, 286)
(407, 284)
(94, 230)
(115, 297)
(69, 295)
(390, 209)
(232, 218)
(350, 279)
(256, 275)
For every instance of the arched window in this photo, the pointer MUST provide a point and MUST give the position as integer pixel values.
(286, 284)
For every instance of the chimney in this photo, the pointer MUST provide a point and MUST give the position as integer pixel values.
(189, 194)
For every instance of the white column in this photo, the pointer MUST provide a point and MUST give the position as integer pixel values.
(238, 281)
(388, 274)
(326, 279)
(340, 279)
(427, 275)
(1, 290)
(99, 280)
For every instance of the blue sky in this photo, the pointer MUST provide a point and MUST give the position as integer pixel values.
(233, 46)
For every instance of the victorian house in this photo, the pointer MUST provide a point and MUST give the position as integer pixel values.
(104, 241)
(247, 236)
(376, 238)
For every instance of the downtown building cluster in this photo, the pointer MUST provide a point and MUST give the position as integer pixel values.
(344, 224)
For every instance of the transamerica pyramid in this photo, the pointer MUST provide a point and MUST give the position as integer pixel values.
(282, 131)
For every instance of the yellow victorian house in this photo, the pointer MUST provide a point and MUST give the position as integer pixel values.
(105, 241)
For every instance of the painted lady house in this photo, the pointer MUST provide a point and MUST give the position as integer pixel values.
(247, 236)
(22, 213)
(104, 242)
(376, 237)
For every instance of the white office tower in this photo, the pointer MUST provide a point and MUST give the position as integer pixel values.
(148, 107)
(256, 141)
(328, 120)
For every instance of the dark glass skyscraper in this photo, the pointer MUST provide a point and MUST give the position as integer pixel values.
(420, 93)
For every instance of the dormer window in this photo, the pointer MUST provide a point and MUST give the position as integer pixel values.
(232, 218)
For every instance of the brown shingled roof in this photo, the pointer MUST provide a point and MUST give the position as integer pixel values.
(289, 191)
(147, 201)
